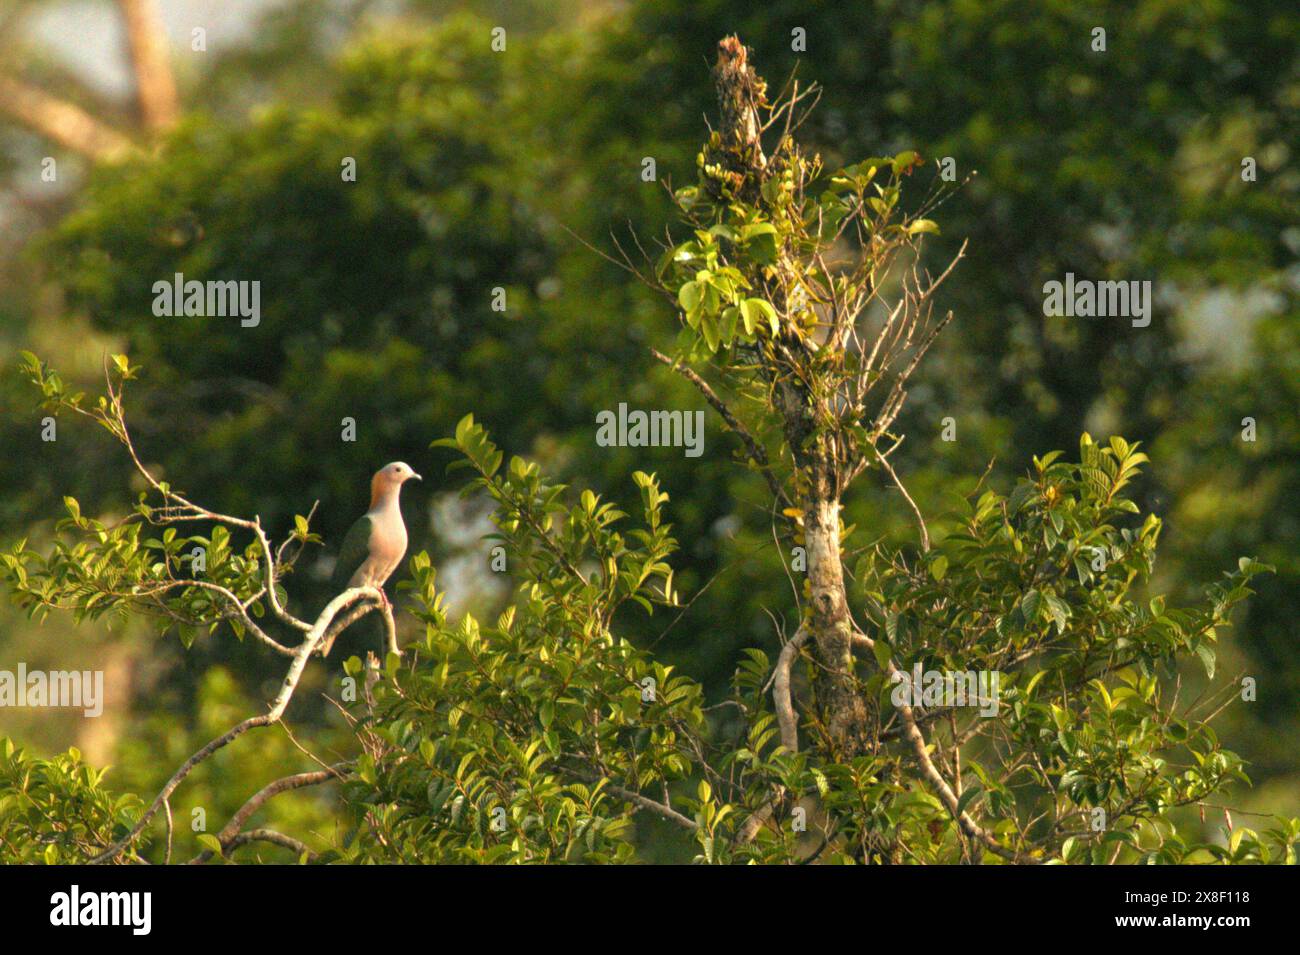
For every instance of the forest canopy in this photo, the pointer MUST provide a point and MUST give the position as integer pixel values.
(612, 651)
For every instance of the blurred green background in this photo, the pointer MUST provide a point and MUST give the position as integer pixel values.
(473, 166)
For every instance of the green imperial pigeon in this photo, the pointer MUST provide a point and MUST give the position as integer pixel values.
(376, 543)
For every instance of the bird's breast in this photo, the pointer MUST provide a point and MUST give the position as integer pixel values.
(387, 546)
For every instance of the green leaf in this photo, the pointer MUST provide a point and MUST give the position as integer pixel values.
(756, 311)
(1034, 681)
(689, 297)
(1031, 606)
(709, 329)
(1207, 655)
(1250, 566)
(760, 242)
(1059, 611)
(967, 797)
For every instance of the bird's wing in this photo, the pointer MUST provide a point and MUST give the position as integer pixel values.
(353, 553)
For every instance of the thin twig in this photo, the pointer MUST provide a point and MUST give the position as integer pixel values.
(757, 453)
(920, 520)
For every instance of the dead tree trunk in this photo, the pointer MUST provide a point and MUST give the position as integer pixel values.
(842, 708)
(736, 151)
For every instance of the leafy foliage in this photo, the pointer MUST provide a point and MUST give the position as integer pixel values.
(534, 740)
(544, 715)
(55, 811)
(519, 742)
(188, 581)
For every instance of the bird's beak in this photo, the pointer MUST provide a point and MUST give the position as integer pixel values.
(416, 476)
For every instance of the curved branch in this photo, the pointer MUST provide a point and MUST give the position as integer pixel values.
(278, 706)
(785, 715)
(272, 597)
(390, 627)
(239, 608)
(920, 519)
(276, 838)
(186, 510)
(356, 613)
(786, 719)
(232, 828)
(658, 808)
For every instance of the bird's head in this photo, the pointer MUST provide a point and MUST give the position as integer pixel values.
(389, 479)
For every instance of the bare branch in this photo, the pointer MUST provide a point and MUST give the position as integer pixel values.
(920, 520)
(184, 510)
(65, 123)
(786, 719)
(278, 706)
(913, 734)
(658, 808)
(757, 453)
(275, 838)
(781, 700)
(258, 799)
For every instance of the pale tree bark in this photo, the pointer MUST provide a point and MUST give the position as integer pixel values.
(741, 94)
(63, 122)
(843, 708)
(154, 81)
